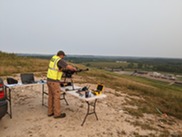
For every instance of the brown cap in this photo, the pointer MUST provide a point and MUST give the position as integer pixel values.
(61, 53)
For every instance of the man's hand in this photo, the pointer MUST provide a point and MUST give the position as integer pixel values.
(74, 69)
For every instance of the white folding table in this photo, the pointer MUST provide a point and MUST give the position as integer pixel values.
(9, 87)
(91, 101)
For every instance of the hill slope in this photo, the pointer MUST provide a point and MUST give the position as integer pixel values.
(12, 64)
(144, 96)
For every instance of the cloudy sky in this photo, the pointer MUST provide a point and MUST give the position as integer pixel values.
(142, 28)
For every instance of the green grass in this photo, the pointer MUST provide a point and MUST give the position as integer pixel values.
(103, 65)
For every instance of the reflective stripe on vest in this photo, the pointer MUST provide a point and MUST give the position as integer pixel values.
(53, 70)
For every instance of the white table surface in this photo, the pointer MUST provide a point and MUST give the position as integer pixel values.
(21, 84)
(69, 90)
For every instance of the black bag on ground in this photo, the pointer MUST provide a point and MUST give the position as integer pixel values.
(12, 81)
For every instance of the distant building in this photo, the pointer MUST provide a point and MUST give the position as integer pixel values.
(155, 74)
(121, 61)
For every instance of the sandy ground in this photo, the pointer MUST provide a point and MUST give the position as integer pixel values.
(30, 118)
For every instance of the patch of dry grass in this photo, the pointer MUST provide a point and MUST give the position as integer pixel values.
(156, 95)
(12, 64)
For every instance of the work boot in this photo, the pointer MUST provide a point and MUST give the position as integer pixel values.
(62, 115)
(49, 115)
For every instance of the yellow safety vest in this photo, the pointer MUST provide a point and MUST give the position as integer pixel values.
(53, 70)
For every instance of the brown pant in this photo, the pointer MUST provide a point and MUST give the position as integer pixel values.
(54, 93)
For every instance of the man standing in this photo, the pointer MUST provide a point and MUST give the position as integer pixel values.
(54, 75)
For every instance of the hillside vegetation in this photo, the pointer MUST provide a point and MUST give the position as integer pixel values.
(155, 97)
(168, 65)
(12, 64)
(159, 97)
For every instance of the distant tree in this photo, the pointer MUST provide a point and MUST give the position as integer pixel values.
(88, 64)
(140, 65)
(121, 67)
(130, 65)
